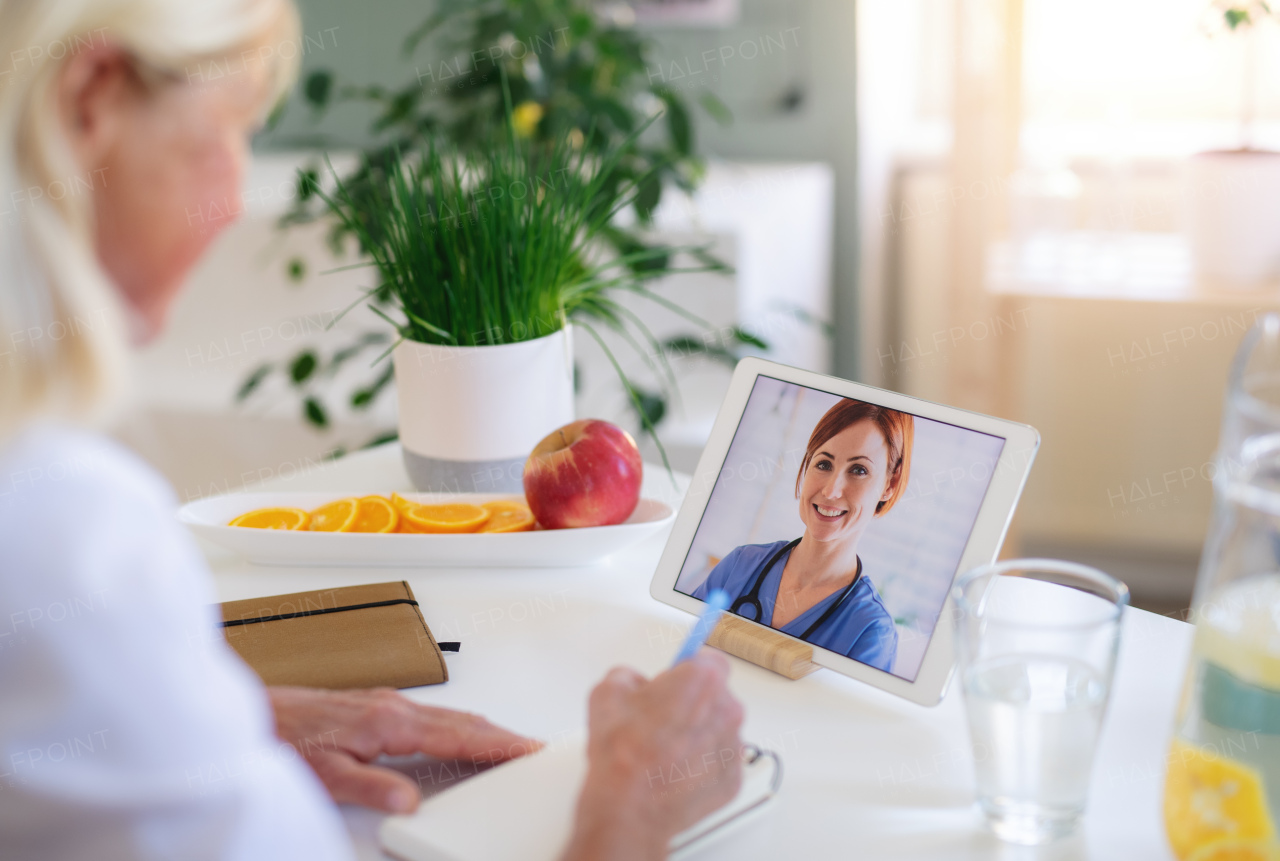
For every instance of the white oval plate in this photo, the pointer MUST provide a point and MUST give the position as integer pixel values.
(550, 548)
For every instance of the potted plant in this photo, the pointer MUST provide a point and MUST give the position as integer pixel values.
(1233, 211)
(573, 70)
(484, 257)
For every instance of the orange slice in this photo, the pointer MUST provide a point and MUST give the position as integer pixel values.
(337, 516)
(451, 517)
(507, 515)
(401, 506)
(375, 514)
(273, 518)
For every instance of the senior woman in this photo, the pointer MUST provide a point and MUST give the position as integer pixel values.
(855, 467)
(126, 730)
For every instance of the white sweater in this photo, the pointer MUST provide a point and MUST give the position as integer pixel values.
(128, 728)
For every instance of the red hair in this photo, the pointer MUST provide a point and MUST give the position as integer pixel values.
(897, 428)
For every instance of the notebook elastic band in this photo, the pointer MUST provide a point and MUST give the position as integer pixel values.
(302, 613)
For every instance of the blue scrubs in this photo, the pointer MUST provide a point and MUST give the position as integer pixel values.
(861, 628)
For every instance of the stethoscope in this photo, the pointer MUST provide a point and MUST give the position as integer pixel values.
(753, 597)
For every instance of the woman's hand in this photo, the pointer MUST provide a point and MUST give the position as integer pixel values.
(662, 755)
(340, 732)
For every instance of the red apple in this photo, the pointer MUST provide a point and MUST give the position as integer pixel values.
(587, 473)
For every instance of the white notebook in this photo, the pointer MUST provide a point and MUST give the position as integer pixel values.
(524, 809)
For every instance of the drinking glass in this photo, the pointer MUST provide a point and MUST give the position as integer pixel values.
(1036, 642)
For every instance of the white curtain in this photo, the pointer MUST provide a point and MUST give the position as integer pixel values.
(986, 120)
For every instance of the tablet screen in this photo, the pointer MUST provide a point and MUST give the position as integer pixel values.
(841, 522)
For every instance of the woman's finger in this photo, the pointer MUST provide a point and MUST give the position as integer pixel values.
(610, 697)
(459, 735)
(623, 679)
(692, 686)
(713, 659)
(352, 782)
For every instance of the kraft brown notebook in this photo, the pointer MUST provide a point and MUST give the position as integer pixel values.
(352, 637)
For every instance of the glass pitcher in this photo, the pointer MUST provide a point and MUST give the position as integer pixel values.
(1222, 786)
(1253, 391)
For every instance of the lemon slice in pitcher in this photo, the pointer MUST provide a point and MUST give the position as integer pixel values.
(1209, 799)
(1236, 630)
(1237, 850)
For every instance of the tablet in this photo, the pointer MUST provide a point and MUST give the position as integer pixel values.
(839, 514)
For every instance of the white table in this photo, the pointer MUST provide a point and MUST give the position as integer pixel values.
(867, 775)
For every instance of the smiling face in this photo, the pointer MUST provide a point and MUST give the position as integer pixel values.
(844, 482)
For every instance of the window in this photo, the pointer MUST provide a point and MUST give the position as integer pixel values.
(1143, 77)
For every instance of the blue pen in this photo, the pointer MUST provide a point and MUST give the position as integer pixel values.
(717, 602)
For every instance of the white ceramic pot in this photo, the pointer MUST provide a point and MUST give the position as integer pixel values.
(469, 416)
(1233, 218)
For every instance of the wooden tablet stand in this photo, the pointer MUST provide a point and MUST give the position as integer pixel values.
(763, 647)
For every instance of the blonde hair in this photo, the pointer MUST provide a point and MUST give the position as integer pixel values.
(64, 332)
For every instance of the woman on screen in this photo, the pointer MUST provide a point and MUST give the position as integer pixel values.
(813, 587)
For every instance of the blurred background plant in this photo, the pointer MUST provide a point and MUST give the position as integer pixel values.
(1243, 19)
(577, 72)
